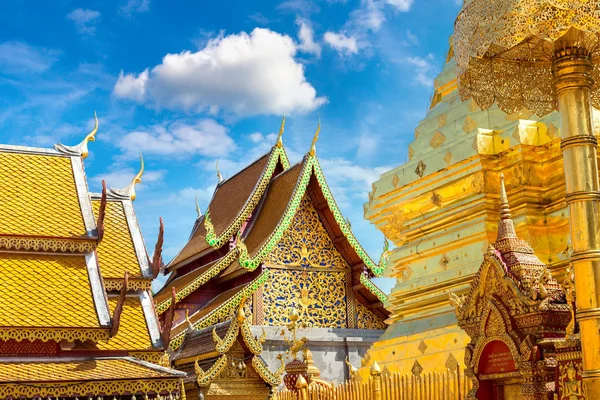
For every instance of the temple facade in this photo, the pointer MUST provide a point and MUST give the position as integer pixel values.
(439, 211)
(77, 314)
(273, 236)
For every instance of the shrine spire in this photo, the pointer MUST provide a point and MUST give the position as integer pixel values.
(506, 227)
(313, 149)
(279, 142)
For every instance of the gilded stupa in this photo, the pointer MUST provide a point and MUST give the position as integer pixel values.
(439, 210)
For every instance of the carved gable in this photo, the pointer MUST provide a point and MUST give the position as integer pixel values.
(309, 273)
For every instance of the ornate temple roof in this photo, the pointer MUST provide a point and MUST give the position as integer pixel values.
(47, 203)
(79, 376)
(210, 351)
(76, 281)
(275, 192)
(48, 296)
(232, 202)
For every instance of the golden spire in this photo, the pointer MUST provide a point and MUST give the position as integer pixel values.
(504, 208)
(219, 176)
(198, 207)
(82, 148)
(313, 149)
(506, 227)
(279, 142)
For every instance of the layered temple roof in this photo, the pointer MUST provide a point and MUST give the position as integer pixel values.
(244, 223)
(223, 351)
(75, 279)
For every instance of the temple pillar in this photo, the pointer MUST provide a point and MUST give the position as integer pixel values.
(573, 82)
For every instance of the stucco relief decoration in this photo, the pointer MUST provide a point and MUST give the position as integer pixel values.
(319, 296)
(306, 243)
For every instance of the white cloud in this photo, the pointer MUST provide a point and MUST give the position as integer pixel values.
(256, 137)
(131, 87)
(245, 74)
(306, 37)
(341, 43)
(400, 5)
(369, 16)
(84, 20)
(134, 6)
(121, 178)
(21, 58)
(302, 7)
(205, 137)
(424, 69)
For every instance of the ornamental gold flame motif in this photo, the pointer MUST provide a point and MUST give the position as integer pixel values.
(316, 285)
(505, 50)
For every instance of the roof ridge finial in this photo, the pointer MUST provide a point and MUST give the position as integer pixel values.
(219, 176)
(279, 142)
(198, 211)
(80, 149)
(136, 179)
(313, 149)
(506, 227)
(129, 191)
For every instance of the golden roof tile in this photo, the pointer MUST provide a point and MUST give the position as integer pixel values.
(71, 377)
(43, 201)
(116, 252)
(133, 331)
(76, 370)
(42, 290)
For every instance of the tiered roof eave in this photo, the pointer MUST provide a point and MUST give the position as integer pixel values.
(249, 259)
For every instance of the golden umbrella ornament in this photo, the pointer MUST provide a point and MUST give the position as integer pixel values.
(544, 55)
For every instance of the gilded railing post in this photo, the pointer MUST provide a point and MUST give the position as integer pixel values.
(376, 375)
(573, 82)
(302, 387)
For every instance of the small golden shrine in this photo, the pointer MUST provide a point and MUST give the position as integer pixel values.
(224, 360)
(516, 315)
(76, 310)
(274, 235)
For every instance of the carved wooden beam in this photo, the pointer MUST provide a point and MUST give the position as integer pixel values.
(165, 333)
(101, 214)
(156, 263)
(116, 320)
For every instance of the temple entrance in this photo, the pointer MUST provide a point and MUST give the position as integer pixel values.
(497, 373)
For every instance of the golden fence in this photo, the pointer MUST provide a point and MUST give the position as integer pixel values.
(448, 385)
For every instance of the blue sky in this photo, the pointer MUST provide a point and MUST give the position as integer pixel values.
(189, 82)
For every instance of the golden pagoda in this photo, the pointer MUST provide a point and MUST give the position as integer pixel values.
(77, 314)
(274, 235)
(439, 209)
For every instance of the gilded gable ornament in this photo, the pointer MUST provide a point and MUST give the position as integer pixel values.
(82, 148)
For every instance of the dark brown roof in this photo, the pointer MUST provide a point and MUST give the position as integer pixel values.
(227, 203)
(165, 292)
(277, 198)
(199, 342)
(218, 300)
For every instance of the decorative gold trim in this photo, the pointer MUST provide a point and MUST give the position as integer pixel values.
(273, 379)
(224, 309)
(57, 334)
(56, 245)
(188, 289)
(153, 357)
(133, 284)
(204, 379)
(73, 389)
